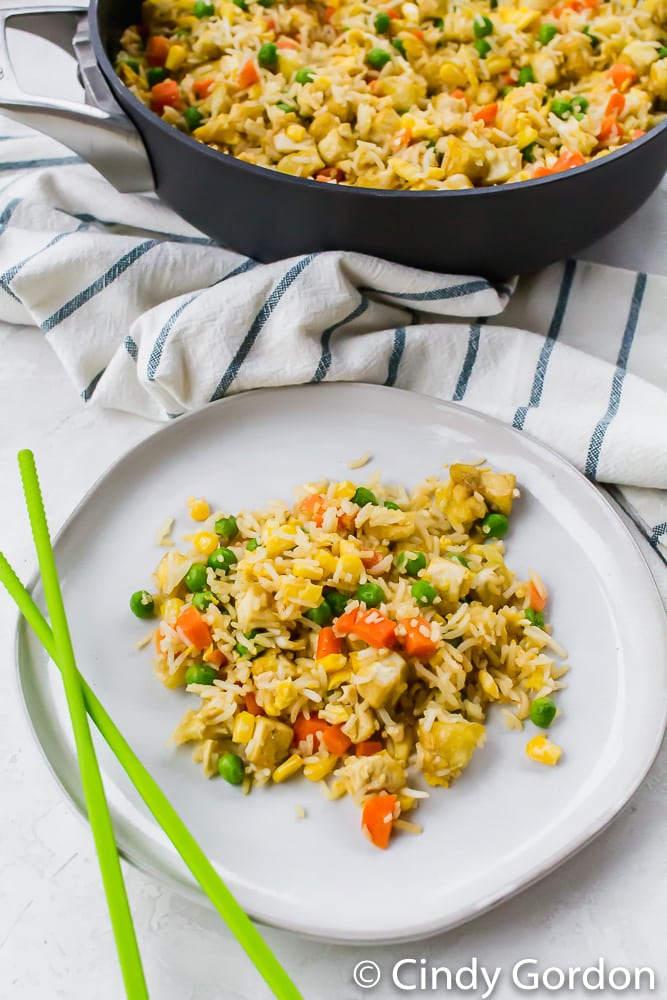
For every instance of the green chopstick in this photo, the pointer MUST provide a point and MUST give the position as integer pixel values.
(91, 779)
(236, 919)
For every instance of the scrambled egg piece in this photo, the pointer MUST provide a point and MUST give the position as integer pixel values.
(365, 776)
(448, 748)
(381, 680)
(270, 743)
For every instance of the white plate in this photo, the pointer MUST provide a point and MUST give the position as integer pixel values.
(507, 821)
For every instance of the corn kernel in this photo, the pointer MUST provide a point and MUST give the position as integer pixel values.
(452, 75)
(288, 768)
(498, 64)
(309, 594)
(327, 561)
(525, 137)
(435, 174)
(408, 171)
(344, 490)
(535, 681)
(244, 727)
(276, 544)
(320, 769)
(410, 12)
(276, 701)
(488, 685)
(322, 82)
(351, 568)
(171, 609)
(205, 542)
(305, 570)
(543, 750)
(333, 662)
(338, 679)
(175, 57)
(198, 508)
(295, 133)
(406, 802)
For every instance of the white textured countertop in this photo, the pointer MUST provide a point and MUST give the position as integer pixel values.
(609, 901)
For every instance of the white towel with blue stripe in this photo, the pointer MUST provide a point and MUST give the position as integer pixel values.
(147, 315)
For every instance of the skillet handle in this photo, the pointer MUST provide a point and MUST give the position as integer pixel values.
(97, 130)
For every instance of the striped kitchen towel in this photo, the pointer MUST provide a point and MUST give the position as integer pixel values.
(147, 315)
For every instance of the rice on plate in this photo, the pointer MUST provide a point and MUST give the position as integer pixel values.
(426, 96)
(356, 638)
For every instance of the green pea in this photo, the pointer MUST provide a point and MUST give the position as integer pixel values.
(304, 75)
(455, 642)
(399, 46)
(221, 560)
(382, 22)
(528, 152)
(129, 61)
(182, 33)
(662, 52)
(362, 496)
(371, 594)
(483, 47)
(230, 767)
(287, 108)
(561, 108)
(594, 40)
(156, 74)
(526, 75)
(546, 33)
(413, 561)
(377, 58)
(482, 26)
(240, 3)
(495, 525)
(493, 4)
(203, 9)
(542, 712)
(423, 592)
(202, 599)
(266, 3)
(389, 504)
(142, 604)
(241, 649)
(227, 527)
(321, 615)
(439, 23)
(337, 602)
(534, 617)
(196, 577)
(507, 90)
(461, 559)
(268, 55)
(580, 103)
(200, 675)
(252, 545)
(193, 118)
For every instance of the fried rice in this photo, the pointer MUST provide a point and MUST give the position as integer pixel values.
(357, 637)
(425, 96)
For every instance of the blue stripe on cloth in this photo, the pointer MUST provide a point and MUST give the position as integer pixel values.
(131, 347)
(175, 237)
(598, 436)
(8, 211)
(548, 346)
(92, 386)
(435, 294)
(652, 536)
(469, 360)
(324, 364)
(106, 279)
(397, 350)
(161, 339)
(48, 161)
(12, 271)
(258, 324)
(658, 532)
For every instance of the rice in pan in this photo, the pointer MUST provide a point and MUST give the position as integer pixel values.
(423, 95)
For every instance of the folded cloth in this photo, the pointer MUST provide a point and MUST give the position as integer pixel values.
(147, 315)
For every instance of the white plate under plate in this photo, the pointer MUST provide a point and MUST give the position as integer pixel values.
(507, 821)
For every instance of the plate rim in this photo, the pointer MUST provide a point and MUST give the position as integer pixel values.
(187, 885)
